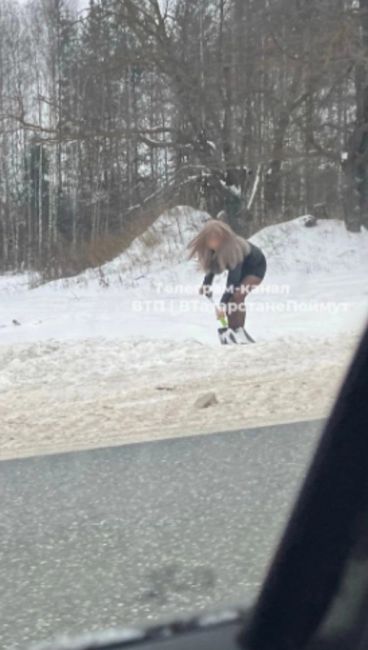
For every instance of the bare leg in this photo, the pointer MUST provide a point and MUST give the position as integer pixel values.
(236, 307)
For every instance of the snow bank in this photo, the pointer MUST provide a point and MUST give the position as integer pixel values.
(58, 396)
(11, 283)
(160, 248)
(325, 248)
(292, 250)
(80, 367)
(322, 269)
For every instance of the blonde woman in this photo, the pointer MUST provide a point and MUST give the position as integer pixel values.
(218, 249)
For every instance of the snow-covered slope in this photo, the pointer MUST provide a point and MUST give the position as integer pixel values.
(290, 247)
(131, 354)
(315, 285)
(326, 248)
(159, 249)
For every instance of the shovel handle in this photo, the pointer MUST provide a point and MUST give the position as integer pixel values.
(223, 320)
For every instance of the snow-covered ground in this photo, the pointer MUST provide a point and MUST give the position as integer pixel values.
(122, 353)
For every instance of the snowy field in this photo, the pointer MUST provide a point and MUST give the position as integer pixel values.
(122, 353)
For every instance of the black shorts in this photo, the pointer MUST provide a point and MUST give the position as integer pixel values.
(255, 263)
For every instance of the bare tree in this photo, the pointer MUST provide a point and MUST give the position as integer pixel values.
(109, 116)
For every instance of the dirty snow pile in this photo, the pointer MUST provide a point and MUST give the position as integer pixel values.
(122, 353)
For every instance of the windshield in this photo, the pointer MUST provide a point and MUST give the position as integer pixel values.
(183, 283)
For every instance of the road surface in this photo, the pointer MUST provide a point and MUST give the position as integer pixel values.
(111, 537)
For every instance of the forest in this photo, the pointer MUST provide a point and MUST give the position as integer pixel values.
(113, 112)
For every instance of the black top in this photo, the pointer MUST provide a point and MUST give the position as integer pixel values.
(253, 264)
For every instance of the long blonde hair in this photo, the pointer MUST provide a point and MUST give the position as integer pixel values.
(231, 252)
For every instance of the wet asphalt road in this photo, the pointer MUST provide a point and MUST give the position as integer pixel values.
(138, 533)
